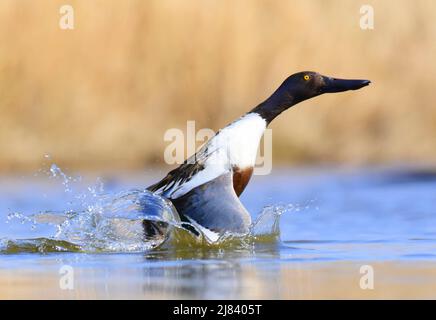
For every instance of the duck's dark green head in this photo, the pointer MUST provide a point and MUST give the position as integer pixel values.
(302, 86)
(308, 84)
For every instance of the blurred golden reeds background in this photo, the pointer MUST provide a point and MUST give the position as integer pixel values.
(103, 94)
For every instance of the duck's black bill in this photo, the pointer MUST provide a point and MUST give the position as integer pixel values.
(339, 85)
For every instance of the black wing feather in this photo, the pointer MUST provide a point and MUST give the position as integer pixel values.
(183, 173)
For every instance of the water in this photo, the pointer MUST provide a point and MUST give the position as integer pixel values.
(314, 229)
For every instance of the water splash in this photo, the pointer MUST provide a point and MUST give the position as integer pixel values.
(116, 226)
(66, 180)
(114, 223)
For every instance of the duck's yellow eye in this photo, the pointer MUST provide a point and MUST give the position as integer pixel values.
(306, 77)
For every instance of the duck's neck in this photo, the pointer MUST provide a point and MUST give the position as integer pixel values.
(278, 102)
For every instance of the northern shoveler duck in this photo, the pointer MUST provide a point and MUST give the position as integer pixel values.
(206, 187)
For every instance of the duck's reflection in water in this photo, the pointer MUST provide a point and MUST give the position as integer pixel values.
(209, 273)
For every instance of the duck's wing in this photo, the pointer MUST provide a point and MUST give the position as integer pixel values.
(182, 174)
(215, 206)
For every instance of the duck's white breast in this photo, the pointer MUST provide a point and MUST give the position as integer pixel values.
(241, 140)
(234, 146)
